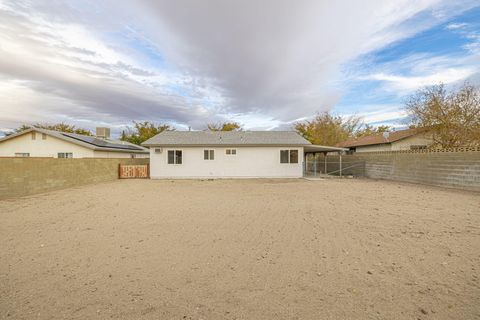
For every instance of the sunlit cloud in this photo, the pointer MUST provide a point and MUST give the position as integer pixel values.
(188, 63)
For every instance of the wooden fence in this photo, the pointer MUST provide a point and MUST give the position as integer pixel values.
(129, 171)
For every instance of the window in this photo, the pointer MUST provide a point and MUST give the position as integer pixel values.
(34, 135)
(65, 155)
(22, 154)
(208, 154)
(174, 156)
(231, 151)
(288, 156)
(418, 147)
(283, 156)
(293, 156)
(44, 136)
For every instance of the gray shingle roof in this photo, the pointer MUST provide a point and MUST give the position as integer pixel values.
(227, 138)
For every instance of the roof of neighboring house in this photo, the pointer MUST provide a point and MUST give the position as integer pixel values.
(91, 142)
(379, 138)
(227, 138)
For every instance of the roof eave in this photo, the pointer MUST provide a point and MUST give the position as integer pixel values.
(366, 144)
(17, 134)
(121, 150)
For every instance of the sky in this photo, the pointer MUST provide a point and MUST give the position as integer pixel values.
(265, 64)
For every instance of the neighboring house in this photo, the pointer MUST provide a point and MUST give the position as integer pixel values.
(409, 139)
(232, 154)
(35, 142)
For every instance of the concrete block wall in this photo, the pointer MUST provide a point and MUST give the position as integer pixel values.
(459, 170)
(26, 176)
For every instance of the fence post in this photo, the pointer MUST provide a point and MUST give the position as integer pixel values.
(325, 160)
(340, 153)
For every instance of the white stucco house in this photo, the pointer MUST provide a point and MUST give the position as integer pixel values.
(233, 154)
(36, 142)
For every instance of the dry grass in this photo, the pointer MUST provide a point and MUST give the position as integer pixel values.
(252, 249)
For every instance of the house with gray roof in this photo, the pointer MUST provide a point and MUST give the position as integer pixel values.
(37, 142)
(229, 154)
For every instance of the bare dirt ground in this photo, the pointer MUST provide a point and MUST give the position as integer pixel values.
(253, 249)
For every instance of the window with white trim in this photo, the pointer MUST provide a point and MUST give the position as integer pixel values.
(418, 147)
(208, 154)
(22, 154)
(65, 155)
(288, 156)
(231, 152)
(174, 157)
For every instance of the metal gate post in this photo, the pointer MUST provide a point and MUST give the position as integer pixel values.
(325, 160)
(340, 163)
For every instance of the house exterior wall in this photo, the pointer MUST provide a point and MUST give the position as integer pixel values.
(249, 162)
(50, 147)
(418, 140)
(120, 155)
(374, 148)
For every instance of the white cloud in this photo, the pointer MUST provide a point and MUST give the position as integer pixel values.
(278, 58)
(380, 114)
(391, 117)
(266, 63)
(409, 83)
(456, 26)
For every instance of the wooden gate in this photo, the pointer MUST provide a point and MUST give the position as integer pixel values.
(128, 171)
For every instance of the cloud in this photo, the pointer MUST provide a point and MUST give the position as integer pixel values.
(409, 83)
(190, 62)
(278, 58)
(456, 26)
(87, 79)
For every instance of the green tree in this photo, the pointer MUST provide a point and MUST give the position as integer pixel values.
(62, 127)
(226, 126)
(327, 129)
(369, 130)
(23, 127)
(452, 117)
(142, 131)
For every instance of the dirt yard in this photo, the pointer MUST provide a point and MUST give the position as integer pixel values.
(253, 249)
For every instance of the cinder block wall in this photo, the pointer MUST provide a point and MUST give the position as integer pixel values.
(26, 176)
(459, 170)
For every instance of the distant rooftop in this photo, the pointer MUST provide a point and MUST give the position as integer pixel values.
(227, 138)
(380, 138)
(90, 142)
